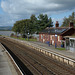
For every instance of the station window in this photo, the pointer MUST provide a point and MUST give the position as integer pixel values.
(58, 38)
(41, 37)
(72, 43)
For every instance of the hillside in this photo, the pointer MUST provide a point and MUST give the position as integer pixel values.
(5, 28)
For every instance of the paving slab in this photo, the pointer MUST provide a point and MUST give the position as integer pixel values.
(52, 48)
(5, 67)
(66, 53)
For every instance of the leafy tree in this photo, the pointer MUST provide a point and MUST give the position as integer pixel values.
(50, 23)
(26, 27)
(44, 21)
(66, 21)
(33, 21)
(32, 25)
(17, 27)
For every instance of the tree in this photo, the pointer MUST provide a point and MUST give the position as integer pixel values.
(32, 25)
(23, 27)
(26, 27)
(50, 23)
(66, 21)
(17, 27)
(33, 21)
(43, 20)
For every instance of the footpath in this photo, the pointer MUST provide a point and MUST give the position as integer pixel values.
(52, 48)
(6, 67)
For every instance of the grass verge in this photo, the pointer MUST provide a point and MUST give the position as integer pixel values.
(60, 48)
(30, 39)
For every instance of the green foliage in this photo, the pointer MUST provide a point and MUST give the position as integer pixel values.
(22, 26)
(44, 22)
(73, 35)
(66, 21)
(17, 27)
(30, 39)
(50, 23)
(60, 48)
(33, 21)
(32, 25)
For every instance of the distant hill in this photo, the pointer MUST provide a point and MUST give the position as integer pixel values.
(5, 28)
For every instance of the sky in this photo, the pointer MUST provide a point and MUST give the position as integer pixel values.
(14, 10)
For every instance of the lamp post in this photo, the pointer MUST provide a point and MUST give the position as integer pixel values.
(55, 39)
(28, 35)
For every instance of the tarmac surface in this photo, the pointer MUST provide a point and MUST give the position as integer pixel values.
(6, 67)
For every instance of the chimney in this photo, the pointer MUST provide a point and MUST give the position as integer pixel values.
(57, 24)
(71, 24)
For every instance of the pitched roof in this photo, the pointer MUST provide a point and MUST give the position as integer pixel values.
(69, 36)
(57, 30)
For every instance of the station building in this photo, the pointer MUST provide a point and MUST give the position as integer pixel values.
(70, 43)
(55, 35)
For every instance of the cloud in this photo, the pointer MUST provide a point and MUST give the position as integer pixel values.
(34, 6)
(20, 9)
(6, 20)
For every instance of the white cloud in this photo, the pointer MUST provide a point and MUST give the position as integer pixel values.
(6, 20)
(20, 9)
(34, 6)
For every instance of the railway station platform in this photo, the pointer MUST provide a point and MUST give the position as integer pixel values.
(6, 67)
(66, 53)
(52, 48)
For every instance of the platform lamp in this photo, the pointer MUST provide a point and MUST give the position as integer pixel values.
(28, 35)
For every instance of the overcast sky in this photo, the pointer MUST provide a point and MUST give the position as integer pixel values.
(13, 10)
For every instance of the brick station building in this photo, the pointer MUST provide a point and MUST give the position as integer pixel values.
(55, 35)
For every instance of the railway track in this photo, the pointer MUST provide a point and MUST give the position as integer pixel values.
(38, 63)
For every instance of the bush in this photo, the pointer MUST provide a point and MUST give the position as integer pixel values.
(24, 36)
(12, 34)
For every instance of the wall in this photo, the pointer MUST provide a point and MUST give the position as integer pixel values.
(46, 37)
